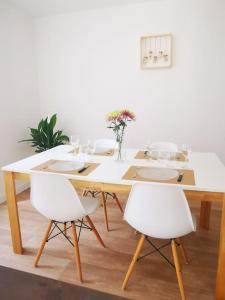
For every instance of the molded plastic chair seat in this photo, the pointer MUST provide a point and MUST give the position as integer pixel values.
(54, 196)
(164, 146)
(106, 143)
(159, 211)
(90, 204)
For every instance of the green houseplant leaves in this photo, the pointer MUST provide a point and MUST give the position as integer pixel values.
(43, 137)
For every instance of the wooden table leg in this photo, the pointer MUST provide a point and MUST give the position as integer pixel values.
(205, 214)
(220, 282)
(13, 212)
(105, 210)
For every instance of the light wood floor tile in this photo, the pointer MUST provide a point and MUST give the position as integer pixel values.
(104, 268)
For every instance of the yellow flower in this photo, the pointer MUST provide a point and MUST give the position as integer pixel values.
(113, 115)
(123, 114)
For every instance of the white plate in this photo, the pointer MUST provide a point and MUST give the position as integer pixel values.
(66, 166)
(102, 150)
(157, 173)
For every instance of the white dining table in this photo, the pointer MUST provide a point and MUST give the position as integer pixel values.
(209, 173)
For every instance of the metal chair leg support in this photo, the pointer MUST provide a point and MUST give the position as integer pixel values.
(158, 250)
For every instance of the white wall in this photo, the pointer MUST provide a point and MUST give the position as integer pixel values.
(19, 106)
(88, 65)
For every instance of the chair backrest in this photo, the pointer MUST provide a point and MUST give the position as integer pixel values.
(106, 143)
(159, 211)
(164, 146)
(54, 197)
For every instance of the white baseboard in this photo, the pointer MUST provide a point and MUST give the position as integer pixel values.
(20, 187)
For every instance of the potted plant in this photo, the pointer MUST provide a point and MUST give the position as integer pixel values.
(44, 137)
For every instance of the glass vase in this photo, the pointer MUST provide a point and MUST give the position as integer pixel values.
(119, 154)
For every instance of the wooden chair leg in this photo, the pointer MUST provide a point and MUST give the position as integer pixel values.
(91, 224)
(105, 211)
(183, 251)
(84, 194)
(65, 231)
(178, 271)
(134, 260)
(43, 243)
(118, 202)
(76, 251)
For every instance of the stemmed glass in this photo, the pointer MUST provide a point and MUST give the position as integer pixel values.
(149, 148)
(75, 142)
(85, 150)
(186, 150)
(91, 148)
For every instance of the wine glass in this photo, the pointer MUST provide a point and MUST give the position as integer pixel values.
(75, 142)
(91, 148)
(186, 150)
(149, 145)
(166, 155)
(149, 148)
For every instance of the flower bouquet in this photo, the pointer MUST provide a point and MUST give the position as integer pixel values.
(118, 122)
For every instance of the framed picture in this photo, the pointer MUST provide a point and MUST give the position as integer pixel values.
(156, 51)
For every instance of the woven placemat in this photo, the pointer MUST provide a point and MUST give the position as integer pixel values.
(104, 153)
(188, 176)
(143, 155)
(46, 167)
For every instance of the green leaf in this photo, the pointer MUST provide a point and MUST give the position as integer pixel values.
(43, 137)
(53, 121)
(40, 124)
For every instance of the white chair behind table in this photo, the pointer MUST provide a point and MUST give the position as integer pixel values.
(164, 146)
(55, 198)
(112, 145)
(106, 143)
(159, 212)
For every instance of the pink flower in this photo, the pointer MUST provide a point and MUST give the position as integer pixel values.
(127, 115)
(121, 115)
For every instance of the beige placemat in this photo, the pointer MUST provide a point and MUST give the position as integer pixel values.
(46, 167)
(104, 153)
(188, 176)
(142, 155)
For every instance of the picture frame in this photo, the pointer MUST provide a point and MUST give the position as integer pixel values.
(156, 51)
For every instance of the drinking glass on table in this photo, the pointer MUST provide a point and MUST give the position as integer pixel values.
(88, 146)
(149, 145)
(166, 155)
(91, 148)
(186, 150)
(149, 148)
(84, 151)
(75, 142)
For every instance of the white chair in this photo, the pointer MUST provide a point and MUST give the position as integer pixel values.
(159, 212)
(112, 145)
(164, 146)
(55, 198)
(106, 144)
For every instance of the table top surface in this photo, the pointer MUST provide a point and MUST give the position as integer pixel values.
(209, 171)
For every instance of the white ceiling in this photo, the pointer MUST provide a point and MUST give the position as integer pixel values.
(40, 8)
